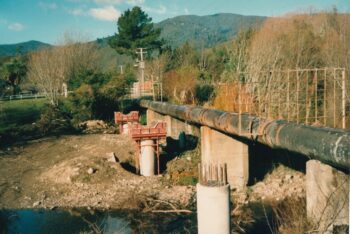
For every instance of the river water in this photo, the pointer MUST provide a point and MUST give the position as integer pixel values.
(30, 221)
(37, 221)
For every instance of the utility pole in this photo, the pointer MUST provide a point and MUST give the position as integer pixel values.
(141, 51)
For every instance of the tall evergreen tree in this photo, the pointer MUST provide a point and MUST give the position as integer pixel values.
(16, 70)
(135, 30)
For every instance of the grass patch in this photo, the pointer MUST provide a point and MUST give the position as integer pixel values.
(17, 118)
(20, 112)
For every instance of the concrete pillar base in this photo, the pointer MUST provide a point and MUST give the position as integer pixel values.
(217, 147)
(125, 129)
(213, 209)
(147, 159)
(327, 196)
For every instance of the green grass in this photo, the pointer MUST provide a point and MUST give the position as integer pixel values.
(18, 113)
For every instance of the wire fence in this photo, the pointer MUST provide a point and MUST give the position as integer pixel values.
(317, 96)
(22, 96)
(152, 89)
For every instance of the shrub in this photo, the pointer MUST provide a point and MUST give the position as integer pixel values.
(81, 104)
(54, 120)
(203, 93)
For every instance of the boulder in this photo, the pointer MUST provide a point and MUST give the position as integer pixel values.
(111, 157)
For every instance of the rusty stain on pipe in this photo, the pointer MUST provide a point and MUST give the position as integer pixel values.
(329, 145)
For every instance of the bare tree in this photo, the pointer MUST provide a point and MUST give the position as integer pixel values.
(50, 68)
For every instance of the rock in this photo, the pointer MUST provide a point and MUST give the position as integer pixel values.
(91, 170)
(189, 159)
(111, 157)
(93, 126)
(37, 203)
(75, 169)
(288, 177)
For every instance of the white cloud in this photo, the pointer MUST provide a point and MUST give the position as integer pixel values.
(161, 10)
(108, 2)
(16, 26)
(47, 5)
(77, 12)
(135, 2)
(108, 13)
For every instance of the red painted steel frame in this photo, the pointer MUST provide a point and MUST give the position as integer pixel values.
(120, 118)
(139, 133)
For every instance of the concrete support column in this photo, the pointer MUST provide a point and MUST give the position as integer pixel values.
(147, 158)
(125, 129)
(167, 120)
(153, 117)
(217, 147)
(327, 196)
(213, 209)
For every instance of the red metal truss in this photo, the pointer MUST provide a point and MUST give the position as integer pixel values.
(120, 118)
(139, 132)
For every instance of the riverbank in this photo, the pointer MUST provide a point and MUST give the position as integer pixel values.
(78, 171)
(95, 172)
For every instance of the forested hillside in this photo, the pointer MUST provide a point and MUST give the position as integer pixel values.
(205, 31)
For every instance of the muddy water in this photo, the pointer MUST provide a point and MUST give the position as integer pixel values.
(84, 221)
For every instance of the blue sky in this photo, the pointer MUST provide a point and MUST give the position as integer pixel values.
(47, 20)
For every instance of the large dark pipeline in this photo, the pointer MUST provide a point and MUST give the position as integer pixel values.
(329, 145)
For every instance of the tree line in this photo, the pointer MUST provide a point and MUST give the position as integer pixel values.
(189, 75)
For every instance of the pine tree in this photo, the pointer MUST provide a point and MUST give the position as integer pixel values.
(135, 30)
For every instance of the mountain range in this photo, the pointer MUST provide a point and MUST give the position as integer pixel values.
(24, 47)
(201, 31)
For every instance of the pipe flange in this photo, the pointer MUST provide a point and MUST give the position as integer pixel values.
(262, 128)
(201, 115)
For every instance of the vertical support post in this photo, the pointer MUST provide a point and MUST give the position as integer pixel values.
(158, 157)
(288, 96)
(147, 158)
(213, 201)
(334, 97)
(325, 98)
(217, 147)
(279, 96)
(307, 99)
(239, 106)
(137, 157)
(316, 96)
(298, 84)
(269, 104)
(327, 196)
(343, 99)
(259, 99)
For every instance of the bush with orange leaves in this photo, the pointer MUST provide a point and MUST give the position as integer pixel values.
(233, 97)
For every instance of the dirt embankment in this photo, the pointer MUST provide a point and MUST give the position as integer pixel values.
(77, 171)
